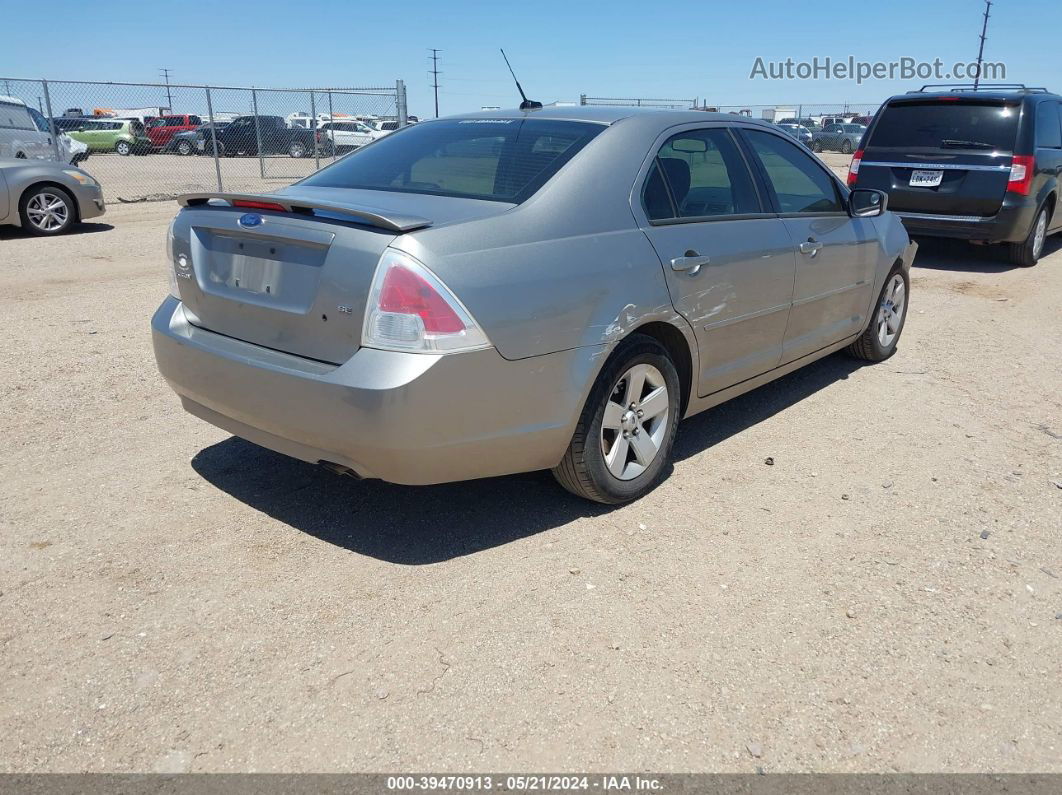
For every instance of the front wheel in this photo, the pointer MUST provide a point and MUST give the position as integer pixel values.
(47, 211)
(124, 148)
(184, 148)
(846, 147)
(1027, 253)
(624, 436)
(882, 335)
(816, 146)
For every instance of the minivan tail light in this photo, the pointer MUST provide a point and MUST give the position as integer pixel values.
(853, 168)
(1022, 168)
(409, 309)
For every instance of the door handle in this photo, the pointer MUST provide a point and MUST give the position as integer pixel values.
(810, 247)
(691, 262)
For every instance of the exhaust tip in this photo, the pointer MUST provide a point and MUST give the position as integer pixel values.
(339, 469)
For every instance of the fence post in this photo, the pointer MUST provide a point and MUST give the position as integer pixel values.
(51, 121)
(400, 103)
(258, 134)
(332, 129)
(313, 129)
(214, 139)
(582, 99)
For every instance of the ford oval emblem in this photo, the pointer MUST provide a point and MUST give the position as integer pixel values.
(250, 219)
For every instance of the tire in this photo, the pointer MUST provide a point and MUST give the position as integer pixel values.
(124, 148)
(846, 147)
(184, 148)
(20, 155)
(816, 146)
(586, 470)
(298, 149)
(47, 210)
(880, 338)
(1027, 253)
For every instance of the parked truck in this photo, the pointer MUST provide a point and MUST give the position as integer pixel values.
(243, 136)
(777, 114)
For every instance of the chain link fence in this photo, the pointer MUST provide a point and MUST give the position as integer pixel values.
(814, 112)
(156, 140)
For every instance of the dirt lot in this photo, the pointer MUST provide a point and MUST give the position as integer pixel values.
(886, 596)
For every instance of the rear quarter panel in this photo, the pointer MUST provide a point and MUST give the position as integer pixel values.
(568, 268)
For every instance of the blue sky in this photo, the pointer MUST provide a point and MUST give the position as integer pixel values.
(559, 50)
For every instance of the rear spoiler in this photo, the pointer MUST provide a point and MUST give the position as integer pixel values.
(384, 219)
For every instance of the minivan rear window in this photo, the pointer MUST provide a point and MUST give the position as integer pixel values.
(947, 125)
(495, 159)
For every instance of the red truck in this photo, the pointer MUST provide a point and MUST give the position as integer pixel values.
(161, 129)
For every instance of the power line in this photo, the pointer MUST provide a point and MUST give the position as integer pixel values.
(169, 99)
(981, 49)
(434, 72)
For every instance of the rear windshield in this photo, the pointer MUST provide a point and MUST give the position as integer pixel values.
(947, 125)
(496, 159)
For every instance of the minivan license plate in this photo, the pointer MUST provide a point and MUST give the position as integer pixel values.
(926, 179)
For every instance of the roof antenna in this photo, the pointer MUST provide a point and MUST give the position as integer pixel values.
(527, 104)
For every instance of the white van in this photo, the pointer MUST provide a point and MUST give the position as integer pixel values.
(19, 136)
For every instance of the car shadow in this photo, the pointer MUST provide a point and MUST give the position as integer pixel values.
(87, 228)
(938, 253)
(429, 524)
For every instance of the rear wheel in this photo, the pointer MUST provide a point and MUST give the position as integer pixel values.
(816, 146)
(184, 148)
(846, 147)
(882, 335)
(625, 433)
(297, 149)
(124, 148)
(1027, 253)
(47, 210)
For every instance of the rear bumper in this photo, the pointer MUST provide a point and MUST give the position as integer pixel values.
(1010, 225)
(406, 418)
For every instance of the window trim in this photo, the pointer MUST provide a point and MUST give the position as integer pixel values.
(761, 172)
(654, 153)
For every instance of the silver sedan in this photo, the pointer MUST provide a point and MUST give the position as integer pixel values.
(519, 290)
(47, 198)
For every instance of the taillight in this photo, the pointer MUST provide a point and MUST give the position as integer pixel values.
(1022, 168)
(853, 168)
(409, 309)
(253, 205)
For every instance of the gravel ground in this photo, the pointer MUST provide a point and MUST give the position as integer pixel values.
(886, 596)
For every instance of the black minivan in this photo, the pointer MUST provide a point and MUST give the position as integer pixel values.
(977, 164)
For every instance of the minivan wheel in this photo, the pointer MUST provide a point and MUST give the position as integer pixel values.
(123, 148)
(1027, 253)
(624, 436)
(47, 210)
(878, 342)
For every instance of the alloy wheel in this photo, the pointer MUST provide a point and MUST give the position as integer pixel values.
(891, 311)
(635, 422)
(48, 212)
(1040, 235)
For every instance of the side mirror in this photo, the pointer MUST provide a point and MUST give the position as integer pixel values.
(867, 202)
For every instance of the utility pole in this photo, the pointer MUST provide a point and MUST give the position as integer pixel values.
(434, 72)
(169, 99)
(981, 49)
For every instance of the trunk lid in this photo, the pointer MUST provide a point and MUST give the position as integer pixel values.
(942, 155)
(294, 279)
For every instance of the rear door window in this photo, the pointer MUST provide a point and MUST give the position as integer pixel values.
(979, 126)
(798, 182)
(494, 159)
(699, 173)
(1048, 130)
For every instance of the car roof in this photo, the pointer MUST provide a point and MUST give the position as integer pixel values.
(988, 93)
(610, 114)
